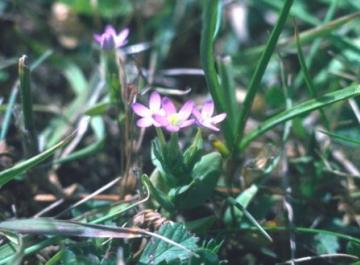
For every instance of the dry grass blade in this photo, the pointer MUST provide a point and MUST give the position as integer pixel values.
(49, 226)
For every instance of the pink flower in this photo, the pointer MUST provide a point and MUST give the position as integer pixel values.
(109, 39)
(173, 121)
(146, 113)
(204, 118)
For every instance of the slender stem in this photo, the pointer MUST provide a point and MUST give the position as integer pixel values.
(161, 135)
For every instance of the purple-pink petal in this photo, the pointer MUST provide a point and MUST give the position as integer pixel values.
(211, 127)
(155, 101)
(121, 38)
(140, 110)
(196, 114)
(98, 38)
(144, 122)
(162, 120)
(218, 118)
(186, 110)
(168, 106)
(109, 30)
(187, 123)
(208, 109)
(172, 128)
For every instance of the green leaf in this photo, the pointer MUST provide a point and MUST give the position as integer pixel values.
(259, 72)
(20, 168)
(326, 244)
(205, 176)
(353, 249)
(211, 23)
(30, 139)
(158, 195)
(157, 251)
(193, 153)
(98, 109)
(308, 81)
(244, 198)
(49, 226)
(300, 109)
(341, 138)
(98, 127)
(169, 160)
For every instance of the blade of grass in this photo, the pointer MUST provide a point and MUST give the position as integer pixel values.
(307, 36)
(98, 127)
(49, 226)
(308, 81)
(227, 81)
(20, 168)
(259, 72)
(13, 95)
(341, 138)
(300, 109)
(316, 45)
(250, 218)
(211, 23)
(9, 109)
(30, 140)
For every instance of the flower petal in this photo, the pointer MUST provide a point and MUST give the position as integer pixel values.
(144, 122)
(211, 127)
(208, 109)
(187, 123)
(140, 110)
(168, 106)
(218, 118)
(186, 110)
(98, 38)
(196, 114)
(172, 128)
(121, 38)
(161, 120)
(109, 30)
(155, 101)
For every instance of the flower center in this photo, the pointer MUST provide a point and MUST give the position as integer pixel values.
(174, 119)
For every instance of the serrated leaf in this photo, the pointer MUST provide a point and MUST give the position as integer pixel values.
(169, 160)
(157, 251)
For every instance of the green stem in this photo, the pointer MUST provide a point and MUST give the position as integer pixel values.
(161, 136)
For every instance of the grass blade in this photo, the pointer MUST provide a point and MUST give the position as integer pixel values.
(300, 109)
(259, 71)
(211, 22)
(30, 135)
(7, 116)
(98, 127)
(49, 226)
(341, 138)
(308, 81)
(227, 81)
(20, 168)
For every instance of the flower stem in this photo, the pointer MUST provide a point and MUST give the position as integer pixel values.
(161, 135)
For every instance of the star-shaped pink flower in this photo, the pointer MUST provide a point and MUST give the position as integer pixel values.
(110, 40)
(147, 113)
(205, 119)
(173, 121)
